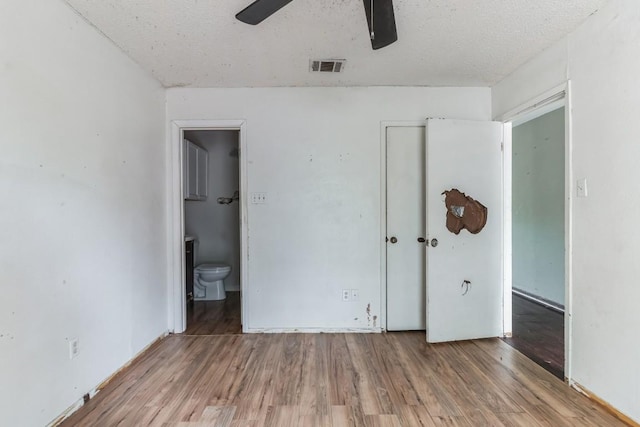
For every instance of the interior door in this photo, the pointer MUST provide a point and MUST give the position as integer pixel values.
(405, 225)
(464, 271)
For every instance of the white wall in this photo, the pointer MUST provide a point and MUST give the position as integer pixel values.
(538, 206)
(603, 65)
(542, 73)
(216, 226)
(316, 153)
(82, 210)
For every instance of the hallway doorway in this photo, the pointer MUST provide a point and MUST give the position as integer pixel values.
(538, 234)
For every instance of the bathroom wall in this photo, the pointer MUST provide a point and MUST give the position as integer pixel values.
(601, 60)
(216, 226)
(538, 206)
(82, 210)
(316, 153)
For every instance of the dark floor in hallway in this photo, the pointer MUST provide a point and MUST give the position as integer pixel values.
(215, 317)
(538, 333)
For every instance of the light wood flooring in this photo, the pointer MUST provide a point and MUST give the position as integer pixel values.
(392, 379)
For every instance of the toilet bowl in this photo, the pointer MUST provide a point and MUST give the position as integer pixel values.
(208, 281)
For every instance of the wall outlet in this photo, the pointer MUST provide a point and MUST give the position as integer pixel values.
(355, 295)
(346, 295)
(581, 187)
(74, 348)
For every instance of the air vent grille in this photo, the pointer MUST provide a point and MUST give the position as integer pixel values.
(327, 65)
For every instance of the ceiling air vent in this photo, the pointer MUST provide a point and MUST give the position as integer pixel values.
(327, 65)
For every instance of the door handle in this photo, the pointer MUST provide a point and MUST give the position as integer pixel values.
(421, 239)
(393, 240)
(434, 242)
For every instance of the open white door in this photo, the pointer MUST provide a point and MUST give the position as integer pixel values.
(464, 271)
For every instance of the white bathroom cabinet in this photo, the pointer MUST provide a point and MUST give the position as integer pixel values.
(196, 165)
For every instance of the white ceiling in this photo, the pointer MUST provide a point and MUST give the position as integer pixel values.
(199, 43)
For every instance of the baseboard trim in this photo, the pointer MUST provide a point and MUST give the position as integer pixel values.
(313, 330)
(606, 405)
(539, 300)
(80, 402)
(70, 410)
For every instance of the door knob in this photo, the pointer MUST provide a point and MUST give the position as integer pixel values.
(434, 242)
(393, 239)
(421, 239)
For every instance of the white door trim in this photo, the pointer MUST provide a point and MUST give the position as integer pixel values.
(529, 110)
(177, 315)
(383, 210)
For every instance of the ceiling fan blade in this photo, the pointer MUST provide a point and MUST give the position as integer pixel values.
(384, 23)
(260, 10)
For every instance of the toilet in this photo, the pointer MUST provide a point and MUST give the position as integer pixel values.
(208, 281)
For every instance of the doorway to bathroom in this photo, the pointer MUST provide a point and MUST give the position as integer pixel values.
(212, 231)
(208, 231)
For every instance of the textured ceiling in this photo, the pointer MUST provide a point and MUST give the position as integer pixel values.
(199, 43)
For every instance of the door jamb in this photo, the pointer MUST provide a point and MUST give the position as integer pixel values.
(557, 93)
(383, 210)
(177, 314)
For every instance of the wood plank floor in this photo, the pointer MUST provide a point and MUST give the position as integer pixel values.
(215, 317)
(538, 332)
(392, 379)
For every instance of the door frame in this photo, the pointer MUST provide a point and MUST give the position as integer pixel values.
(176, 301)
(529, 110)
(383, 210)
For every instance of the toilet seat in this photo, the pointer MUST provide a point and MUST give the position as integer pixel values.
(213, 268)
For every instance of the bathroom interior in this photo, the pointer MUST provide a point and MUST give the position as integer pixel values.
(211, 178)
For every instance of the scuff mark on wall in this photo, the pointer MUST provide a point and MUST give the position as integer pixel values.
(466, 285)
(375, 319)
(369, 314)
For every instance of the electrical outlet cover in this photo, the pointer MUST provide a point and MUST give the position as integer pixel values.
(74, 348)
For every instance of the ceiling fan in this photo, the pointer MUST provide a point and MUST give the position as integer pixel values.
(380, 18)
